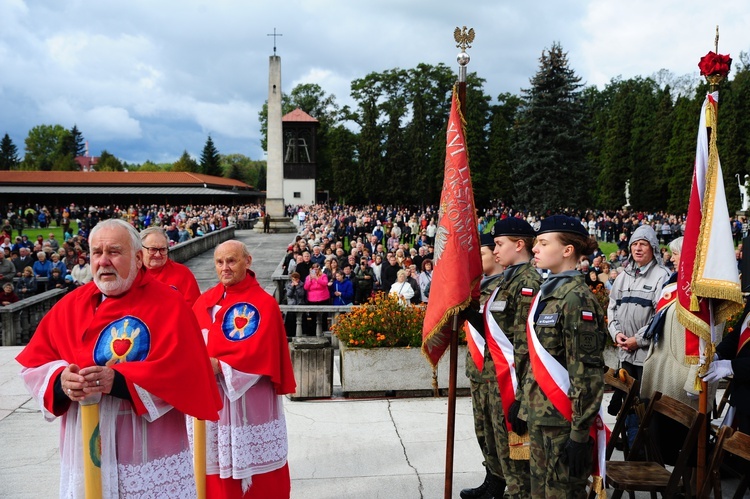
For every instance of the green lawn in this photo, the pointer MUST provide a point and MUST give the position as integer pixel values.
(57, 231)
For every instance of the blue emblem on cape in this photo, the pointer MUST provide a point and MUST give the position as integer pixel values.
(124, 340)
(240, 322)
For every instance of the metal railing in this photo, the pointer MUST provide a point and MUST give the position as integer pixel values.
(19, 320)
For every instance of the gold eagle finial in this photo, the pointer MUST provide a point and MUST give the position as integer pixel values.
(464, 38)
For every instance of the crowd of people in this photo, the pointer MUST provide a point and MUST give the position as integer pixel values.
(536, 303)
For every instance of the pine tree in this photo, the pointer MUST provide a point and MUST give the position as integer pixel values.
(186, 164)
(210, 160)
(79, 145)
(8, 154)
(551, 172)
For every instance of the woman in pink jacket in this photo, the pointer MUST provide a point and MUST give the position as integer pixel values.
(316, 285)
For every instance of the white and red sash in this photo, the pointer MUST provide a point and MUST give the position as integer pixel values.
(475, 343)
(744, 333)
(501, 350)
(554, 381)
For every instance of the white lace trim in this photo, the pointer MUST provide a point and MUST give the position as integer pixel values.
(166, 477)
(244, 451)
(155, 406)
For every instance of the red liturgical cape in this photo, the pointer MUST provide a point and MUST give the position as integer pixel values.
(147, 334)
(248, 331)
(179, 277)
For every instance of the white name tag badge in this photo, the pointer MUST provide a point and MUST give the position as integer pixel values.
(498, 306)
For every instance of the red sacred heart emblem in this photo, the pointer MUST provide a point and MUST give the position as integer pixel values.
(240, 322)
(121, 346)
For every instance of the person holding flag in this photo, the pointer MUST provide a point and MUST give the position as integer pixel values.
(480, 369)
(563, 392)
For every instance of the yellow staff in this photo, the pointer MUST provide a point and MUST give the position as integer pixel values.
(199, 456)
(92, 449)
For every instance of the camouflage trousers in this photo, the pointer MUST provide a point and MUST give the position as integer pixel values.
(550, 476)
(492, 434)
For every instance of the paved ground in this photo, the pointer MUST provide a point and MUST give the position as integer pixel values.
(338, 448)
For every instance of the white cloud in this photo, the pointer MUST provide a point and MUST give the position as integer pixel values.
(105, 123)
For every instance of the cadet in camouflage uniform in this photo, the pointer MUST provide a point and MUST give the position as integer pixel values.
(569, 324)
(484, 392)
(519, 283)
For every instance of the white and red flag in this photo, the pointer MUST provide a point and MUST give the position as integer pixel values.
(708, 266)
(458, 264)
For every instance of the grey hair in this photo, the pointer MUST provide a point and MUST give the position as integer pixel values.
(675, 246)
(154, 230)
(112, 223)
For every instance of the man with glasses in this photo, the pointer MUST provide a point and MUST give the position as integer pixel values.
(158, 265)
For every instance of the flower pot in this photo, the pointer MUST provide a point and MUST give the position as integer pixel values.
(377, 371)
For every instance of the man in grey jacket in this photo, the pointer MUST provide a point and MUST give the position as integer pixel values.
(632, 302)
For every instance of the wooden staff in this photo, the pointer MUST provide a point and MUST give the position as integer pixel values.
(199, 456)
(92, 450)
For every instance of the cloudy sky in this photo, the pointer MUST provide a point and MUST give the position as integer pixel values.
(147, 79)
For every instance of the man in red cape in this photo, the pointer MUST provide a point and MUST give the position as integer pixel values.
(160, 267)
(246, 451)
(131, 344)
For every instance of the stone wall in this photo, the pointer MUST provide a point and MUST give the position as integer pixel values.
(183, 252)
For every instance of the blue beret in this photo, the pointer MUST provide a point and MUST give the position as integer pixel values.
(512, 226)
(561, 223)
(486, 240)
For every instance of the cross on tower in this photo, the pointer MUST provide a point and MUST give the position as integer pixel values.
(274, 35)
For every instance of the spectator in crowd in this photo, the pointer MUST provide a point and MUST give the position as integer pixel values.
(26, 285)
(53, 243)
(303, 267)
(317, 256)
(364, 282)
(24, 260)
(248, 350)
(42, 267)
(56, 279)
(377, 268)
(343, 292)
(610, 280)
(402, 288)
(8, 295)
(7, 269)
(58, 264)
(71, 258)
(425, 280)
(142, 393)
(389, 272)
(412, 278)
(316, 286)
(82, 271)
(632, 302)
(156, 261)
(173, 234)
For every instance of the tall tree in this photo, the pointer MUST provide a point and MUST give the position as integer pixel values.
(109, 163)
(210, 160)
(477, 137)
(502, 136)
(551, 169)
(79, 144)
(186, 164)
(681, 157)
(8, 154)
(43, 146)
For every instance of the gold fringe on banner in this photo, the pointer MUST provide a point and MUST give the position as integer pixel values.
(519, 446)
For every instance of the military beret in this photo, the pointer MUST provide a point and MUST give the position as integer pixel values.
(486, 240)
(512, 226)
(560, 223)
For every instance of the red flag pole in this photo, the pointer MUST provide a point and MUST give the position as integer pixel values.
(463, 39)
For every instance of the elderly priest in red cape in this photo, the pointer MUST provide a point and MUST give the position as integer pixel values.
(246, 451)
(131, 344)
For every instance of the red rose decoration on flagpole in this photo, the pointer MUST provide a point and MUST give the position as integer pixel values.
(715, 64)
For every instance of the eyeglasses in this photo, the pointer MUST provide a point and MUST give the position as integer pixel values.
(154, 251)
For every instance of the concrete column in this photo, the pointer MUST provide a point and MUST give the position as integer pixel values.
(275, 174)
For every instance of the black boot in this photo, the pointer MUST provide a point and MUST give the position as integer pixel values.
(491, 488)
(496, 488)
(477, 492)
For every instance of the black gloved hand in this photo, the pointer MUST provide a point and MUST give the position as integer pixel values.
(474, 317)
(518, 424)
(576, 454)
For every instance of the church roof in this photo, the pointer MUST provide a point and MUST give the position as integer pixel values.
(297, 116)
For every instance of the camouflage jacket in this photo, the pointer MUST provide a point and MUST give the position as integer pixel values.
(570, 325)
(488, 373)
(511, 308)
